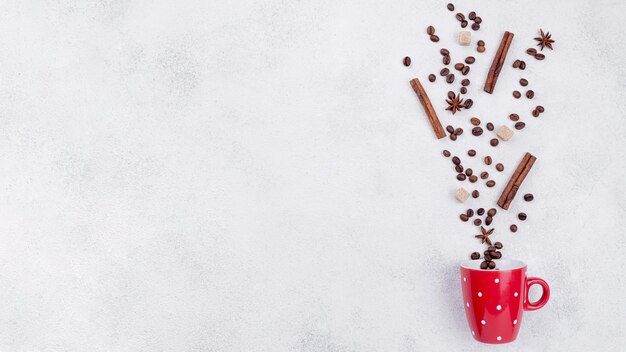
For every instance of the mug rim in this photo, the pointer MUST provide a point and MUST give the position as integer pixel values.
(474, 265)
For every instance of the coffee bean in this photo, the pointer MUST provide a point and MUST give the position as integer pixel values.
(471, 152)
(446, 60)
(497, 255)
(540, 108)
(468, 103)
(470, 60)
(407, 61)
(530, 94)
(484, 175)
(480, 211)
(459, 168)
(475, 121)
(531, 51)
(540, 56)
(475, 256)
(478, 20)
(514, 117)
(469, 171)
(516, 63)
(444, 52)
(522, 216)
(475, 194)
(444, 71)
(487, 256)
(484, 265)
(492, 212)
(475, 26)
(520, 125)
(523, 82)
(450, 78)
(453, 137)
(446, 153)
(449, 128)
(465, 82)
(477, 222)
(535, 113)
(522, 65)
(459, 66)
(480, 43)
(463, 90)
(464, 24)
(498, 245)
(460, 17)
(513, 228)
(499, 167)
(432, 77)
(494, 142)
(461, 177)
(469, 212)
(516, 94)
(480, 49)
(490, 126)
(492, 265)
(529, 197)
(430, 30)
(458, 131)
(491, 183)
(488, 220)
(456, 160)
(465, 70)
(472, 15)
(473, 179)
(488, 160)
(477, 131)
(434, 38)
(463, 217)
(451, 7)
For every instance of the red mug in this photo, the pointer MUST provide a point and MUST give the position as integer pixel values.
(494, 300)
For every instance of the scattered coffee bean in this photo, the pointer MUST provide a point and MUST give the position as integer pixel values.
(468, 103)
(540, 108)
(461, 177)
(480, 211)
(484, 175)
(478, 20)
(487, 160)
(529, 197)
(469, 171)
(480, 49)
(456, 160)
(463, 217)
(470, 60)
(477, 131)
(458, 131)
(516, 63)
(471, 152)
(432, 77)
(513, 228)
(498, 245)
(498, 255)
(531, 51)
(475, 256)
(499, 167)
(464, 24)
(492, 212)
(520, 125)
(488, 220)
(446, 153)
(459, 168)
(465, 70)
(523, 82)
(491, 183)
(446, 60)
(477, 222)
(540, 56)
(444, 71)
(490, 126)
(484, 265)
(459, 66)
(535, 113)
(475, 26)
(450, 129)
(480, 43)
(469, 212)
(494, 142)
(453, 137)
(407, 61)
(522, 65)
(460, 17)
(473, 179)
(451, 7)
(522, 216)
(491, 249)
(475, 194)
(450, 78)
(530, 94)
(444, 52)
(434, 38)
(475, 121)
(430, 30)
(516, 94)
(487, 255)
(514, 117)
(463, 90)
(492, 265)
(472, 15)
(465, 82)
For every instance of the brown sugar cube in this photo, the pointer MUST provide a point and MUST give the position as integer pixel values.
(461, 194)
(465, 37)
(504, 133)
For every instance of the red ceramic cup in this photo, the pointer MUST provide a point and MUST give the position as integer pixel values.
(494, 300)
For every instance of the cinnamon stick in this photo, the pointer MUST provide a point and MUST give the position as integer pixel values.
(428, 108)
(498, 62)
(516, 181)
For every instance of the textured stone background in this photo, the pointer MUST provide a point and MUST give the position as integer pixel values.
(259, 176)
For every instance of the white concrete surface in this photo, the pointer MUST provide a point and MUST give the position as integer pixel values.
(259, 176)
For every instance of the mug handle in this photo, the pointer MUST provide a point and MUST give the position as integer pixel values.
(528, 305)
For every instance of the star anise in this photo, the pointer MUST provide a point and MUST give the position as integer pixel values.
(484, 236)
(545, 40)
(455, 103)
